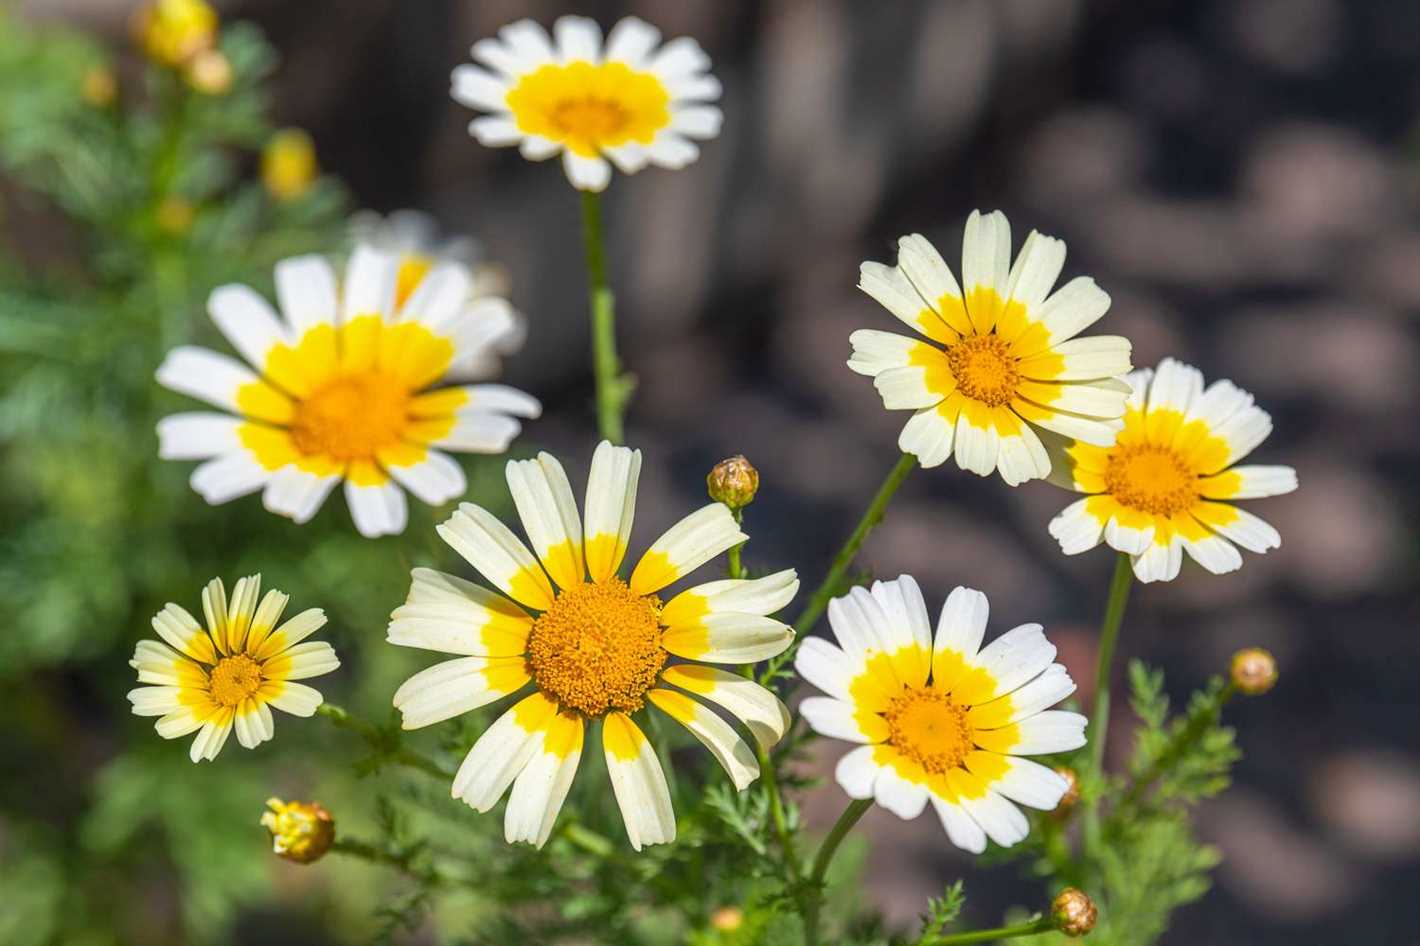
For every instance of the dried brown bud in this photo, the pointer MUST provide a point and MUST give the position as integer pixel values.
(209, 72)
(1254, 671)
(727, 919)
(300, 831)
(1072, 791)
(1074, 912)
(733, 482)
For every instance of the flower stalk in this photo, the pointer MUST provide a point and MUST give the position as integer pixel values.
(855, 810)
(613, 389)
(1034, 927)
(1099, 718)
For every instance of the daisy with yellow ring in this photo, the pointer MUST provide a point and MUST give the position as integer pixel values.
(597, 647)
(343, 388)
(228, 674)
(999, 358)
(629, 101)
(940, 718)
(1166, 485)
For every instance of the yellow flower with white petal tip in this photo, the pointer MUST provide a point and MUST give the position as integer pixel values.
(595, 646)
(413, 238)
(940, 719)
(342, 389)
(1000, 359)
(1164, 487)
(229, 674)
(629, 101)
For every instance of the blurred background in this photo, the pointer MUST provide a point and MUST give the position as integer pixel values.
(1240, 175)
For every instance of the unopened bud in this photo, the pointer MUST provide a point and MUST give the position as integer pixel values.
(288, 164)
(173, 31)
(100, 87)
(1072, 791)
(174, 216)
(1253, 671)
(210, 72)
(1074, 912)
(727, 919)
(300, 831)
(733, 482)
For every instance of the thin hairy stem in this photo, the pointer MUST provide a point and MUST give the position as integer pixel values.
(613, 388)
(1099, 719)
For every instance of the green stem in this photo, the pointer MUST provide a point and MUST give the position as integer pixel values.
(613, 388)
(1099, 719)
(587, 839)
(841, 562)
(1034, 927)
(855, 810)
(776, 811)
(366, 851)
(381, 742)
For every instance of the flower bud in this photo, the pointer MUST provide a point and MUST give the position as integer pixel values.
(300, 831)
(210, 72)
(1072, 792)
(173, 31)
(733, 482)
(100, 87)
(1253, 671)
(288, 164)
(727, 919)
(174, 216)
(1074, 912)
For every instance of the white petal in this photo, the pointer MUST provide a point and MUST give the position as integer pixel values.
(197, 435)
(630, 41)
(638, 783)
(731, 751)
(1078, 305)
(578, 38)
(493, 549)
(377, 509)
(502, 751)
(962, 830)
(1034, 273)
(541, 788)
(586, 173)
(205, 375)
(296, 494)
(455, 687)
(247, 321)
(370, 282)
(827, 667)
(985, 260)
(305, 287)
(435, 479)
(899, 796)
(680, 57)
(697, 121)
(857, 772)
(543, 497)
(1049, 732)
(962, 624)
(763, 714)
(747, 596)
(478, 88)
(1015, 657)
(929, 437)
(670, 150)
(686, 546)
(1028, 783)
(441, 297)
(834, 718)
(228, 477)
(875, 351)
(1161, 561)
(1001, 820)
(976, 448)
(729, 638)
(495, 131)
(297, 699)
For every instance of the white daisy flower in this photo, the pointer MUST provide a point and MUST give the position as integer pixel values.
(339, 390)
(228, 675)
(1164, 486)
(593, 645)
(629, 100)
(1001, 357)
(943, 720)
(414, 239)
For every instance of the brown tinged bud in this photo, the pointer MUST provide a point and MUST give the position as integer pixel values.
(100, 87)
(300, 831)
(1073, 911)
(727, 919)
(1253, 671)
(174, 216)
(209, 72)
(1072, 792)
(733, 482)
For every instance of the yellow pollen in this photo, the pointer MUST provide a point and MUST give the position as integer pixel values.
(1151, 478)
(927, 727)
(412, 270)
(587, 107)
(984, 369)
(351, 417)
(234, 679)
(598, 648)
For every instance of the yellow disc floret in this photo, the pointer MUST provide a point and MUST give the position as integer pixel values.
(598, 648)
(234, 679)
(1151, 478)
(927, 727)
(588, 107)
(351, 417)
(984, 369)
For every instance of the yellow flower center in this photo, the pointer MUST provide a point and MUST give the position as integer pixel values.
(234, 679)
(1151, 478)
(927, 727)
(412, 270)
(984, 369)
(589, 107)
(598, 648)
(352, 416)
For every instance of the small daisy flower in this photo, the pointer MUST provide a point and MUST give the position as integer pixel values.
(596, 647)
(1001, 357)
(1164, 487)
(413, 238)
(342, 390)
(228, 675)
(942, 720)
(629, 101)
